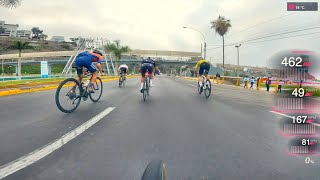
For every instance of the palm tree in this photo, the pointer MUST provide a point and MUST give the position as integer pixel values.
(117, 50)
(10, 3)
(221, 26)
(19, 45)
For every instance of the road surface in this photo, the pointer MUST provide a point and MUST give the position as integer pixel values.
(231, 135)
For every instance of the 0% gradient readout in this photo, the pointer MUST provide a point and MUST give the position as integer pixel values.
(308, 160)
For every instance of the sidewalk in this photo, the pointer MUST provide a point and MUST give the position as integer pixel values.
(42, 86)
(262, 89)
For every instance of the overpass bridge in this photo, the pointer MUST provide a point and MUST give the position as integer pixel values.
(62, 57)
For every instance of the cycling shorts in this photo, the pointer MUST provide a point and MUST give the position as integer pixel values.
(145, 67)
(84, 62)
(204, 66)
(123, 69)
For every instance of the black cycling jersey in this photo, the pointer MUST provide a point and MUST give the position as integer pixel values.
(148, 61)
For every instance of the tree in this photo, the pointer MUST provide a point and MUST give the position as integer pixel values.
(43, 36)
(19, 45)
(37, 33)
(74, 39)
(117, 50)
(221, 26)
(2, 30)
(10, 3)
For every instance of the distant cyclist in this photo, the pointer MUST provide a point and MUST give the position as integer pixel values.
(123, 69)
(201, 66)
(150, 65)
(86, 59)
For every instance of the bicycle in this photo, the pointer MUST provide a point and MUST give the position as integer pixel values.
(156, 170)
(79, 90)
(122, 80)
(146, 85)
(206, 85)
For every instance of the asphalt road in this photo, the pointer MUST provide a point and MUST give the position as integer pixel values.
(231, 135)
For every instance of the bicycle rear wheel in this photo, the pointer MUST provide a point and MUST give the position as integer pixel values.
(120, 81)
(123, 81)
(144, 93)
(68, 94)
(207, 91)
(199, 88)
(156, 170)
(148, 85)
(97, 87)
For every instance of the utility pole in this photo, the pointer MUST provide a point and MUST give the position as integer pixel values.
(237, 46)
(205, 50)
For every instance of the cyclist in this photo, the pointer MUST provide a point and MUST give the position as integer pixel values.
(150, 65)
(123, 69)
(86, 59)
(201, 66)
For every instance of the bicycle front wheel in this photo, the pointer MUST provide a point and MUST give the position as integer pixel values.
(68, 95)
(207, 91)
(156, 170)
(97, 87)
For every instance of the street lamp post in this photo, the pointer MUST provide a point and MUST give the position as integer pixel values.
(204, 40)
(237, 46)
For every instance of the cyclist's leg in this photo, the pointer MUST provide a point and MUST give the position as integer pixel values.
(207, 68)
(201, 69)
(143, 71)
(80, 65)
(92, 68)
(151, 71)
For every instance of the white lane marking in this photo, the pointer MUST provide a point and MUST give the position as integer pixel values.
(316, 124)
(281, 114)
(40, 153)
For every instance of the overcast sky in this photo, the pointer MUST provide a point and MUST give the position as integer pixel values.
(150, 24)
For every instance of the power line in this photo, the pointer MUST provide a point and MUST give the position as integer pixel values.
(274, 34)
(263, 37)
(292, 28)
(270, 20)
(283, 37)
(267, 40)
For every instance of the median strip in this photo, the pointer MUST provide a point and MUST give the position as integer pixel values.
(47, 87)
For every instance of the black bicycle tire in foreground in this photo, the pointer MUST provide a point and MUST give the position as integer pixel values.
(156, 170)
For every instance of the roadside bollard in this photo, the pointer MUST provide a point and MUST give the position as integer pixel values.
(222, 81)
(237, 83)
(247, 84)
(259, 84)
(217, 80)
(277, 87)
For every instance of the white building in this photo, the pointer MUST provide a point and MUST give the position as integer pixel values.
(10, 30)
(23, 34)
(58, 39)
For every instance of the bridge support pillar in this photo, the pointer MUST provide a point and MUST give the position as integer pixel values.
(49, 69)
(18, 71)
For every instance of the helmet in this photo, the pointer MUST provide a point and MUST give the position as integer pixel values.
(97, 52)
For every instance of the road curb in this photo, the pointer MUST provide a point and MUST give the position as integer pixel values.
(48, 87)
